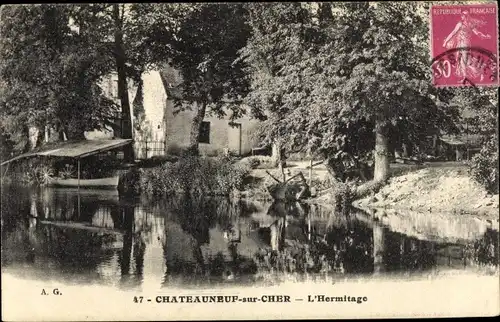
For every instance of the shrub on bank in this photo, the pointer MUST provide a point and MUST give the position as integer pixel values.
(194, 175)
(344, 193)
(128, 183)
(484, 166)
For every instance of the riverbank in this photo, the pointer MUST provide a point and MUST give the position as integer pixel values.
(438, 187)
(444, 187)
(447, 189)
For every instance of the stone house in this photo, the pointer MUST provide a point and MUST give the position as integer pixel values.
(217, 135)
(159, 127)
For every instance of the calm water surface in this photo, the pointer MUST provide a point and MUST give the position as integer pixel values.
(95, 237)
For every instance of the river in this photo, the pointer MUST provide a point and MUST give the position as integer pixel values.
(96, 237)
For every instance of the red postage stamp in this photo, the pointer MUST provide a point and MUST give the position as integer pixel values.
(464, 45)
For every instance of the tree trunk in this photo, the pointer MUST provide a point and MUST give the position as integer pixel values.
(60, 132)
(435, 145)
(195, 128)
(40, 137)
(121, 60)
(334, 169)
(279, 157)
(381, 172)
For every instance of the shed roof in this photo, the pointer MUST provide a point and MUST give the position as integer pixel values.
(75, 149)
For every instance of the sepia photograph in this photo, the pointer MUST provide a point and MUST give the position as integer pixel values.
(228, 161)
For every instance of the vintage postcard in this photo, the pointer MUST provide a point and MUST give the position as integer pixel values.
(215, 161)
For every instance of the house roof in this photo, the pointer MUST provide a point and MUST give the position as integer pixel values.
(74, 149)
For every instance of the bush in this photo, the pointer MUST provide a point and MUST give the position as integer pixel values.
(129, 182)
(343, 195)
(322, 184)
(194, 175)
(95, 167)
(484, 166)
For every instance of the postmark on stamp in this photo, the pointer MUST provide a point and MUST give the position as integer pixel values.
(464, 45)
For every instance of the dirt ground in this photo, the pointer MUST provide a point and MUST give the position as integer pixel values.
(447, 188)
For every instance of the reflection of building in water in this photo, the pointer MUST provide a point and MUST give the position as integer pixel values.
(149, 238)
(151, 244)
(103, 218)
(239, 231)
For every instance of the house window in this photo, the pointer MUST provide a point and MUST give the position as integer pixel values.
(204, 136)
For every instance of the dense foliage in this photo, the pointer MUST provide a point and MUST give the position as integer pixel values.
(327, 78)
(195, 176)
(479, 108)
(48, 75)
(334, 80)
(484, 166)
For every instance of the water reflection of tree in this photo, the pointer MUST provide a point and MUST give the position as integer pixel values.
(484, 251)
(125, 255)
(408, 253)
(15, 204)
(487, 248)
(287, 253)
(196, 216)
(393, 251)
(348, 249)
(341, 243)
(74, 248)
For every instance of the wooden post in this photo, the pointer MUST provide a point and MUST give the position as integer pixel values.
(79, 212)
(309, 226)
(78, 173)
(467, 139)
(78, 188)
(310, 172)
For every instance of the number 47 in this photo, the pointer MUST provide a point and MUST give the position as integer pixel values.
(138, 299)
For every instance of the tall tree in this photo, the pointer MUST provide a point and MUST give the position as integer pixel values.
(118, 13)
(108, 27)
(47, 75)
(274, 56)
(345, 80)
